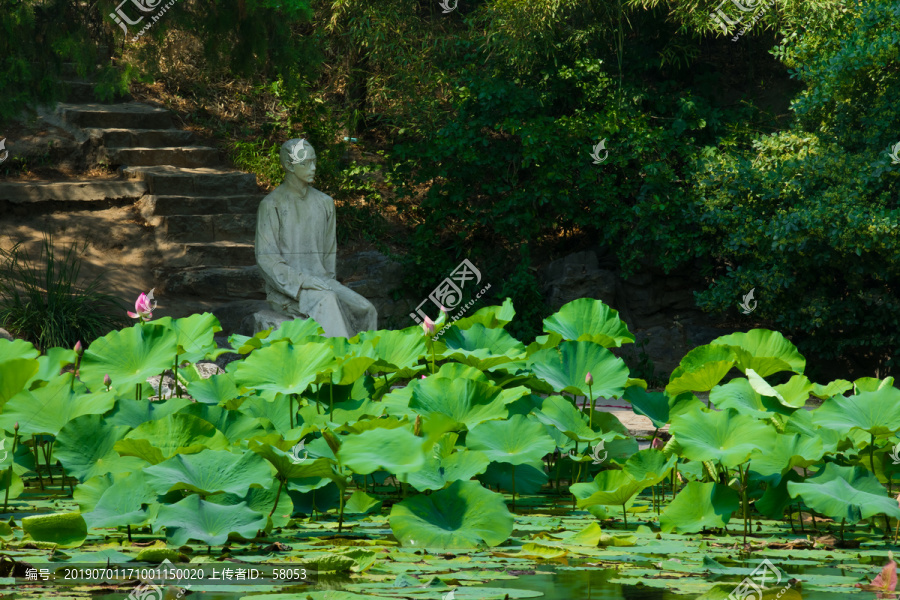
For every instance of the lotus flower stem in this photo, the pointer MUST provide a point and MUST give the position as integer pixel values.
(291, 409)
(48, 449)
(37, 462)
(331, 400)
(558, 463)
(872, 453)
(9, 471)
(791, 519)
(800, 518)
(175, 375)
(514, 488)
(341, 515)
(277, 496)
(625, 516)
(128, 529)
(813, 516)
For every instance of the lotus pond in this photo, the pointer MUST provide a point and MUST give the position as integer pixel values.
(399, 464)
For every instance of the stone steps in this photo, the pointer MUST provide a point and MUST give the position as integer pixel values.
(124, 115)
(217, 282)
(183, 156)
(214, 254)
(156, 205)
(85, 191)
(209, 228)
(141, 138)
(166, 180)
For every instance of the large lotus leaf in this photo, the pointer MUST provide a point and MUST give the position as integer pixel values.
(10, 350)
(394, 450)
(320, 499)
(764, 351)
(776, 498)
(210, 472)
(283, 367)
(12, 481)
(739, 395)
(516, 440)
(465, 401)
(699, 506)
(133, 413)
(463, 515)
(481, 347)
(530, 477)
(785, 452)
(272, 406)
(871, 384)
(207, 522)
(491, 317)
(838, 386)
(608, 488)
(801, 422)
(125, 502)
(68, 530)
(51, 364)
(649, 466)
(217, 389)
(701, 369)
(179, 434)
(439, 469)
(278, 452)
(762, 387)
(565, 369)
(795, 392)
(262, 500)
(47, 409)
(397, 351)
(586, 319)
(653, 405)
(88, 493)
(234, 425)
(85, 447)
(297, 331)
(560, 413)
(346, 370)
(14, 374)
(195, 336)
(129, 356)
(726, 436)
(850, 493)
(876, 413)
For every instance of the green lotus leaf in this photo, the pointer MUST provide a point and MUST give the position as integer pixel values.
(726, 436)
(530, 477)
(283, 367)
(361, 503)
(608, 488)
(86, 448)
(764, 351)
(51, 364)
(210, 472)
(346, 370)
(795, 392)
(14, 374)
(47, 409)
(207, 522)
(465, 401)
(565, 369)
(133, 413)
(441, 469)
(838, 386)
(560, 413)
(776, 498)
(278, 452)
(397, 351)
(261, 500)
(273, 407)
(740, 395)
(586, 319)
(129, 356)
(218, 389)
(481, 347)
(13, 482)
(653, 405)
(234, 425)
(179, 434)
(68, 530)
(88, 493)
(649, 466)
(463, 515)
(320, 498)
(877, 413)
(125, 502)
(194, 336)
(701, 369)
(397, 451)
(491, 317)
(785, 452)
(297, 331)
(850, 493)
(699, 506)
(871, 384)
(516, 440)
(801, 422)
(10, 350)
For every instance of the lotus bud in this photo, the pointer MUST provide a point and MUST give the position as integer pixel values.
(589, 379)
(78, 348)
(16, 426)
(423, 377)
(444, 309)
(107, 381)
(417, 428)
(428, 326)
(658, 444)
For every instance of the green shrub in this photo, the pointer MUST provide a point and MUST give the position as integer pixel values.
(41, 300)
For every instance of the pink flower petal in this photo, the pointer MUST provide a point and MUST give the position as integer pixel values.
(887, 579)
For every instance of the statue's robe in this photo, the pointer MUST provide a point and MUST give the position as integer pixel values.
(296, 239)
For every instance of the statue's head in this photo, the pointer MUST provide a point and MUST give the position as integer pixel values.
(298, 159)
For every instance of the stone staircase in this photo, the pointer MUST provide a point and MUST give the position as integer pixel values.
(203, 213)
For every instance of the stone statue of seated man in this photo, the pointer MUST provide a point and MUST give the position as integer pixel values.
(296, 251)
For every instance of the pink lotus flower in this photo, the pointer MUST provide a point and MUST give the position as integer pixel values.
(78, 348)
(589, 379)
(657, 443)
(428, 326)
(423, 377)
(143, 309)
(884, 583)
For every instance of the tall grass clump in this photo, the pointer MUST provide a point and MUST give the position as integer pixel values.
(42, 301)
